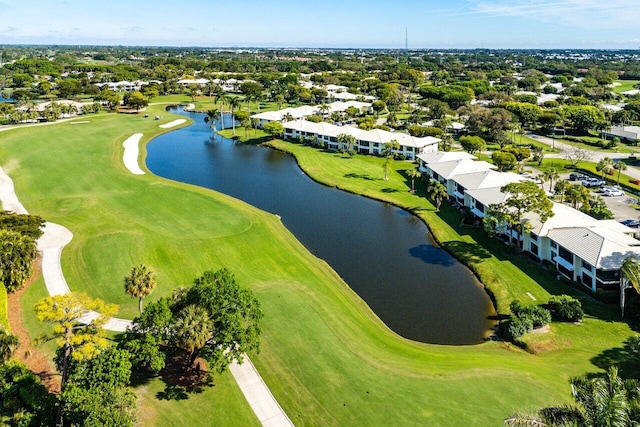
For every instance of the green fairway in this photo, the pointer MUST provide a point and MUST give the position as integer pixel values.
(325, 356)
(625, 85)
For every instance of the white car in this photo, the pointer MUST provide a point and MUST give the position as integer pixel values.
(608, 191)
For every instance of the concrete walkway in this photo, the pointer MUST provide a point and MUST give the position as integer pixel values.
(56, 237)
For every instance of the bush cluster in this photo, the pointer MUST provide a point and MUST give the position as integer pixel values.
(566, 308)
(525, 318)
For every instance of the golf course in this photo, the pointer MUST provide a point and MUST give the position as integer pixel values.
(325, 356)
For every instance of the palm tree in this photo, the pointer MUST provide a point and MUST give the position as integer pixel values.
(324, 109)
(222, 98)
(234, 103)
(438, 192)
(388, 149)
(8, 344)
(139, 283)
(605, 165)
(288, 117)
(549, 175)
(193, 330)
(629, 278)
(413, 174)
(620, 166)
(605, 400)
(210, 117)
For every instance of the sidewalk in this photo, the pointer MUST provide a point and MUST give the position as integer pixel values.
(51, 243)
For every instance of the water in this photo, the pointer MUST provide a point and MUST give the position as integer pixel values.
(384, 253)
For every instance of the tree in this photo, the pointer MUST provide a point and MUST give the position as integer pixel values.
(560, 189)
(504, 160)
(605, 401)
(346, 142)
(583, 117)
(139, 283)
(577, 194)
(136, 100)
(620, 166)
(388, 151)
(522, 198)
(378, 107)
(629, 278)
(214, 319)
(234, 103)
(576, 155)
(413, 174)
(472, 144)
(17, 253)
(273, 128)
(549, 175)
(77, 340)
(604, 166)
(27, 225)
(97, 391)
(8, 344)
(438, 192)
(221, 98)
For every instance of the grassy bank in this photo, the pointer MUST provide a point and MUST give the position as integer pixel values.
(326, 357)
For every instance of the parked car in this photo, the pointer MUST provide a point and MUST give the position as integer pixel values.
(633, 223)
(610, 191)
(593, 182)
(577, 177)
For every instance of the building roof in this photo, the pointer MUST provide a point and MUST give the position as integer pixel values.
(595, 246)
(444, 156)
(487, 196)
(376, 135)
(486, 178)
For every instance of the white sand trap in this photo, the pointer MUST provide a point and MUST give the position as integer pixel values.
(131, 151)
(8, 196)
(173, 123)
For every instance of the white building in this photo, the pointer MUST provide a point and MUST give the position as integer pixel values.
(582, 248)
(629, 133)
(297, 113)
(367, 141)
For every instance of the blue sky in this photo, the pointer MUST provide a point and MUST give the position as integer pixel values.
(603, 24)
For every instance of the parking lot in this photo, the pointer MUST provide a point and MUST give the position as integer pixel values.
(621, 206)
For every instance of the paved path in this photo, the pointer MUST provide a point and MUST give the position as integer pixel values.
(56, 237)
(596, 156)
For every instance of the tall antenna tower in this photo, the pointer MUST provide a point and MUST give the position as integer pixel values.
(406, 39)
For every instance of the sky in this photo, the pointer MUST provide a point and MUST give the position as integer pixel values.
(494, 24)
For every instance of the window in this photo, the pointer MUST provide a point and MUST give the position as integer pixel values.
(534, 237)
(459, 188)
(480, 207)
(587, 266)
(565, 254)
(554, 245)
(364, 143)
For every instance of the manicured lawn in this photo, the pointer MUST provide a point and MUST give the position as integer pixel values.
(326, 357)
(625, 85)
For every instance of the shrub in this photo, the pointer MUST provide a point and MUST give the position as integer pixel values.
(635, 181)
(566, 308)
(517, 327)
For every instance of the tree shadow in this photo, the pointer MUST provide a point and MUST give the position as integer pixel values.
(471, 252)
(625, 358)
(359, 175)
(389, 190)
(431, 254)
(182, 379)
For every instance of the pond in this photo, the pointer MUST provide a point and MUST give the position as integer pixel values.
(385, 254)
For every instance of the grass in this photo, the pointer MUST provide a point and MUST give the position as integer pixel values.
(325, 356)
(625, 85)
